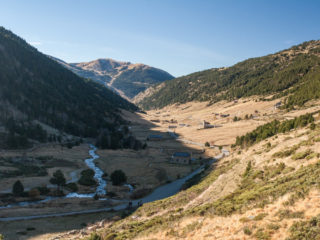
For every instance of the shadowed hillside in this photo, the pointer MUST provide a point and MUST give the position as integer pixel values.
(36, 90)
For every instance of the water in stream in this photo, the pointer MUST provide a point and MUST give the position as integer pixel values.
(100, 190)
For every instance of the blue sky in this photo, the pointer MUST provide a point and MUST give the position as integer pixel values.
(179, 36)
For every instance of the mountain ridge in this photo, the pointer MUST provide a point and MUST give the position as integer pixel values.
(286, 73)
(126, 78)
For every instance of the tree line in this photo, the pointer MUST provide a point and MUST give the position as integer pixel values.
(270, 129)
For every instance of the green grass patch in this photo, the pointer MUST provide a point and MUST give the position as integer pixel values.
(302, 155)
(308, 230)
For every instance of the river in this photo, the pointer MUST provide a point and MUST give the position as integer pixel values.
(161, 192)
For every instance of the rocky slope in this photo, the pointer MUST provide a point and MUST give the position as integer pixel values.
(126, 78)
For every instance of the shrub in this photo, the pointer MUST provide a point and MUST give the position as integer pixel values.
(94, 236)
(283, 214)
(17, 189)
(72, 187)
(286, 153)
(260, 216)
(87, 178)
(305, 229)
(110, 236)
(262, 235)
(248, 169)
(301, 155)
(312, 126)
(247, 231)
(273, 226)
(43, 190)
(34, 193)
(118, 177)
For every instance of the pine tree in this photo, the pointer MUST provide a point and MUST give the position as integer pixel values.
(58, 179)
(17, 189)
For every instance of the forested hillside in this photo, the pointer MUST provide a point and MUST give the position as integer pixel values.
(34, 87)
(293, 72)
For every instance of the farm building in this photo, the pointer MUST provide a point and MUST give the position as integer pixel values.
(207, 125)
(181, 157)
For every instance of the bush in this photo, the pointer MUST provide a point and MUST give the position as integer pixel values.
(301, 155)
(94, 236)
(43, 190)
(247, 231)
(118, 177)
(34, 193)
(305, 229)
(110, 236)
(72, 187)
(286, 214)
(248, 169)
(87, 178)
(17, 189)
(207, 144)
(262, 235)
(312, 126)
(260, 216)
(273, 226)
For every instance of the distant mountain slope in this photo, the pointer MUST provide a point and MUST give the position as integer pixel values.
(293, 72)
(34, 87)
(124, 77)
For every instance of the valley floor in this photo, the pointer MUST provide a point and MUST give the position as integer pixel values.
(191, 213)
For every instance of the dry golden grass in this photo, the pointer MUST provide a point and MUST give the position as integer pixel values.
(76, 155)
(232, 227)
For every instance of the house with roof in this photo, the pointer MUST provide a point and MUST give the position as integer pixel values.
(207, 124)
(181, 158)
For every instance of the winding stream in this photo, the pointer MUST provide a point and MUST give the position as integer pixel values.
(98, 173)
(161, 192)
(100, 190)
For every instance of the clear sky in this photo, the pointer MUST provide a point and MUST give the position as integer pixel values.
(179, 36)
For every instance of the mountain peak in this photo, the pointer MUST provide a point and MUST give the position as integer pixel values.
(126, 78)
